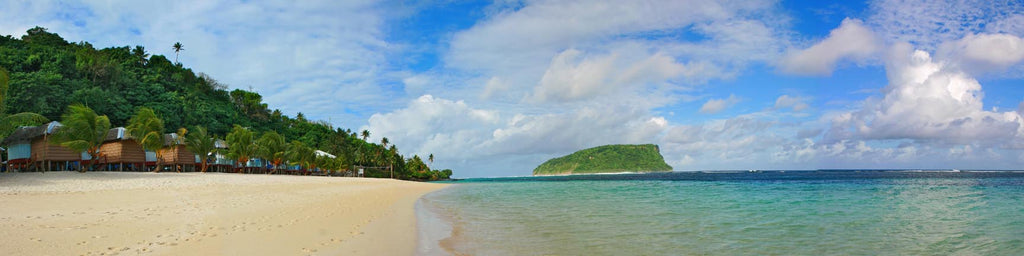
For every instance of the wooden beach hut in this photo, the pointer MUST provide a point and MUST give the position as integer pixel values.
(121, 152)
(175, 155)
(19, 148)
(255, 165)
(221, 162)
(30, 148)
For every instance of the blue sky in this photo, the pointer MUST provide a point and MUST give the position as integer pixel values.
(495, 88)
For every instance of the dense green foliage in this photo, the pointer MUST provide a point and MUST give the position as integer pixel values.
(47, 74)
(606, 159)
(10, 122)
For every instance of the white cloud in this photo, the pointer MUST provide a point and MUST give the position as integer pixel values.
(438, 126)
(984, 52)
(851, 40)
(739, 142)
(551, 51)
(713, 106)
(786, 101)
(463, 133)
(572, 76)
(927, 24)
(927, 100)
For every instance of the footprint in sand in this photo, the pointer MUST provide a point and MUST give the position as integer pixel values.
(307, 250)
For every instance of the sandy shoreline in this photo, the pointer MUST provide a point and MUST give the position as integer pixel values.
(68, 213)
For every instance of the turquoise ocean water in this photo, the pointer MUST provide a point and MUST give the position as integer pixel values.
(764, 213)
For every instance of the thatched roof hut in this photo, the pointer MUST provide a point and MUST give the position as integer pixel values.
(174, 152)
(35, 142)
(119, 147)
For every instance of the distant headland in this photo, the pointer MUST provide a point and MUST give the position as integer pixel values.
(607, 159)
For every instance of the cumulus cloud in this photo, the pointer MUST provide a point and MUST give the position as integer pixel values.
(539, 56)
(432, 125)
(713, 106)
(927, 100)
(786, 101)
(739, 142)
(462, 132)
(851, 40)
(984, 52)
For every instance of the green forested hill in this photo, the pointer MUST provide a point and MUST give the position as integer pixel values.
(47, 74)
(605, 159)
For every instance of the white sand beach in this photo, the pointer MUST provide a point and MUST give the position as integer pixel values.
(105, 213)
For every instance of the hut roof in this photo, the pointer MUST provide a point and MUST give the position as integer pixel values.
(322, 153)
(171, 139)
(220, 144)
(27, 133)
(119, 133)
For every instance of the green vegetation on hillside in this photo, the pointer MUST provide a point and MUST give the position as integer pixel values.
(607, 159)
(47, 74)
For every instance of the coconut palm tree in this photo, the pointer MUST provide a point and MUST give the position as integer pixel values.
(8, 123)
(202, 144)
(366, 134)
(384, 142)
(300, 154)
(431, 158)
(82, 131)
(177, 48)
(241, 144)
(272, 147)
(140, 53)
(148, 130)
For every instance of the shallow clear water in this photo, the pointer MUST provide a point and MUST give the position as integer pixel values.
(792, 213)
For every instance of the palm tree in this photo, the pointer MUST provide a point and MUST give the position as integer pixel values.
(140, 53)
(366, 134)
(272, 147)
(241, 144)
(179, 140)
(300, 154)
(148, 130)
(431, 158)
(384, 142)
(8, 123)
(177, 48)
(82, 131)
(202, 144)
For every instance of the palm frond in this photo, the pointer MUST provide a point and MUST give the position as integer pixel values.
(9, 123)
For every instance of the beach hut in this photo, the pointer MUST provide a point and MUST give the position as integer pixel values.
(30, 148)
(221, 162)
(19, 148)
(121, 152)
(255, 165)
(175, 154)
